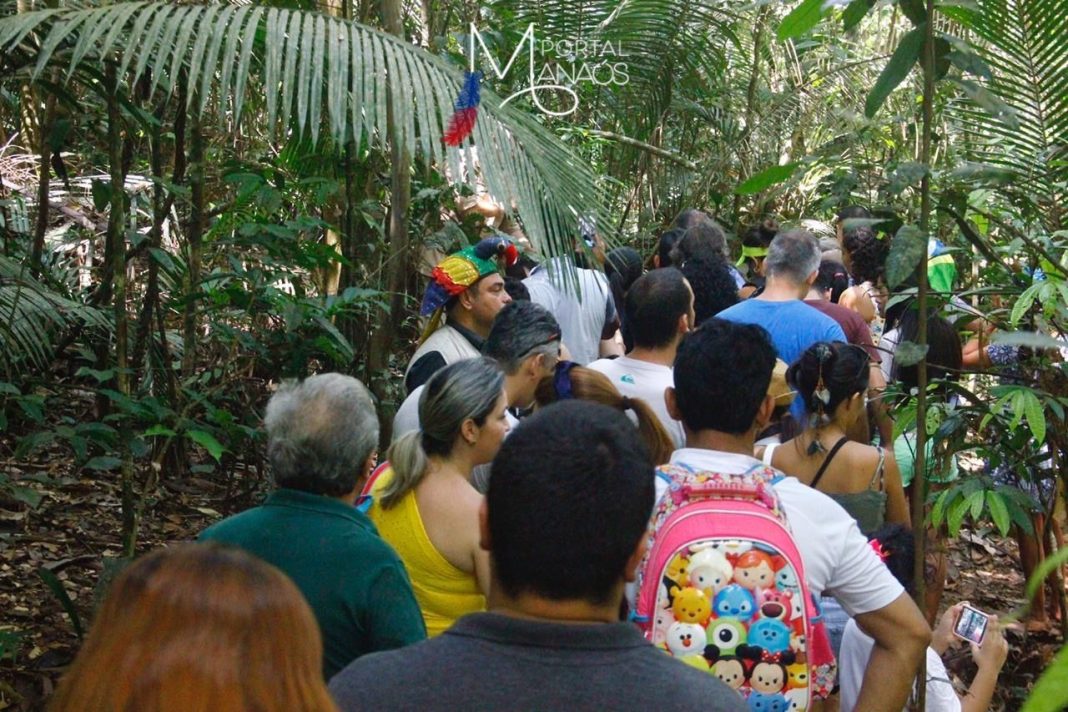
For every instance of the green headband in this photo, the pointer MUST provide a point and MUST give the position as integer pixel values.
(751, 252)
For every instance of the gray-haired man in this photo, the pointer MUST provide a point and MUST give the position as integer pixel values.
(322, 434)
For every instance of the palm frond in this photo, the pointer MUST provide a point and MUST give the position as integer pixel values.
(1023, 41)
(321, 73)
(32, 314)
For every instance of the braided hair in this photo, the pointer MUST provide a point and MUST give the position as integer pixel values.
(826, 375)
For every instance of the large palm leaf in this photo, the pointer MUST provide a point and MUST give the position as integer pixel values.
(1024, 42)
(321, 74)
(32, 314)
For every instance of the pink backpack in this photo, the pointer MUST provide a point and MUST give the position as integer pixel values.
(722, 588)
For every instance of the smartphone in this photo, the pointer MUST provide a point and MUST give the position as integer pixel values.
(971, 625)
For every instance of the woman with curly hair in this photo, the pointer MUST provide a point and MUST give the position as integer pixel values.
(864, 255)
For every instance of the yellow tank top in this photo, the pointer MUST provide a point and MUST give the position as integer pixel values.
(444, 592)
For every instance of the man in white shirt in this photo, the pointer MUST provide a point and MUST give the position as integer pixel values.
(581, 301)
(722, 372)
(658, 313)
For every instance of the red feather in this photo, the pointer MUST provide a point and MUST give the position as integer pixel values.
(461, 125)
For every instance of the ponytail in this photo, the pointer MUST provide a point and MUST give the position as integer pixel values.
(409, 463)
(651, 430)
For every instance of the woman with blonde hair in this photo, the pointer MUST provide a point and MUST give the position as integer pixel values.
(574, 381)
(199, 628)
(424, 504)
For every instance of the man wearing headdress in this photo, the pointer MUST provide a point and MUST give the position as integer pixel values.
(467, 288)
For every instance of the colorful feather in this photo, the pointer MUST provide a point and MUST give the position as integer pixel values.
(462, 122)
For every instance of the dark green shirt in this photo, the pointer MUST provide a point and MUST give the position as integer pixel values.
(355, 583)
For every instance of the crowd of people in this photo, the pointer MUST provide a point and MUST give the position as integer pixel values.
(622, 488)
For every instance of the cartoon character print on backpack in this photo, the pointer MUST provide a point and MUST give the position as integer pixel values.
(759, 702)
(709, 571)
(731, 601)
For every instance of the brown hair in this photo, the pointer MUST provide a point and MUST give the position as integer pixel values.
(197, 628)
(587, 384)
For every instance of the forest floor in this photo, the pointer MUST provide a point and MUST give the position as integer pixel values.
(74, 533)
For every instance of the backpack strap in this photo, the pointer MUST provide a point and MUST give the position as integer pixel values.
(827, 461)
(769, 452)
(879, 473)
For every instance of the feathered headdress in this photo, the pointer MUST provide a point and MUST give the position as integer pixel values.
(460, 270)
(465, 112)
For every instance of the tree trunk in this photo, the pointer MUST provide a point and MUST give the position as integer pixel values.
(195, 236)
(117, 273)
(44, 155)
(388, 320)
(919, 480)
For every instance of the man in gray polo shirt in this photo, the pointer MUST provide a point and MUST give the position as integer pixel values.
(564, 522)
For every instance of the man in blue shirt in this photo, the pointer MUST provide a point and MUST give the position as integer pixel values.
(791, 267)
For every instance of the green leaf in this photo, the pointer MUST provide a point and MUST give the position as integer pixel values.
(975, 503)
(855, 12)
(207, 441)
(895, 71)
(998, 512)
(1050, 693)
(1036, 419)
(766, 178)
(103, 463)
(909, 353)
(9, 389)
(57, 588)
(956, 515)
(98, 376)
(906, 251)
(969, 62)
(989, 102)
(27, 495)
(159, 429)
(101, 191)
(914, 10)
(801, 19)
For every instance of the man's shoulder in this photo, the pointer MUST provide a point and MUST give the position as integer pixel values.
(237, 526)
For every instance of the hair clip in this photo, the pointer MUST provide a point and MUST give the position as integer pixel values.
(562, 380)
(879, 550)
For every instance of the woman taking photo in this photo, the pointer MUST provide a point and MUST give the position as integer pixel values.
(424, 504)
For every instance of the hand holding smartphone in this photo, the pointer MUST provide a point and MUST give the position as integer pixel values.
(971, 625)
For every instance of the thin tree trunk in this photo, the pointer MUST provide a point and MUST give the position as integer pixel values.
(195, 235)
(919, 481)
(117, 274)
(397, 259)
(44, 155)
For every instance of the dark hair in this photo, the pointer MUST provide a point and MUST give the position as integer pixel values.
(761, 235)
(722, 372)
(867, 253)
(690, 217)
(516, 289)
(828, 374)
(653, 306)
(521, 268)
(944, 353)
(622, 266)
(899, 549)
(704, 238)
(521, 329)
(832, 276)
(569, 499)
(852, 212)
(666, 243)
(713, 286)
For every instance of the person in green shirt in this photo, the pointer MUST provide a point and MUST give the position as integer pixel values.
(322, 436)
